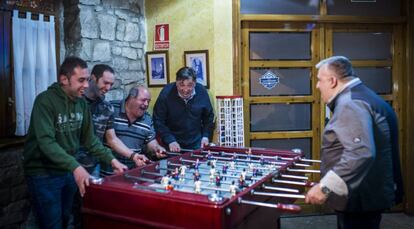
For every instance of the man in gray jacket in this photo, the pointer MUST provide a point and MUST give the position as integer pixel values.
(360, 167)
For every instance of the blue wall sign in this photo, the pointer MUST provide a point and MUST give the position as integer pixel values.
(269, 80)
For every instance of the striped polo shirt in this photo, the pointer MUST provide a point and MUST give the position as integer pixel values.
(134, 135)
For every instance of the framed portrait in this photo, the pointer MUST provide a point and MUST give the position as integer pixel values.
(198, 60)
(157, 68)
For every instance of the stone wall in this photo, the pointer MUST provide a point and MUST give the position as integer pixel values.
(110, 32)
(14, 198)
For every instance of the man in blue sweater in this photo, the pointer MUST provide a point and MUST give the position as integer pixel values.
(183, 115)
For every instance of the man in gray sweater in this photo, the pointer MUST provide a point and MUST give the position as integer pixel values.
(360, 168)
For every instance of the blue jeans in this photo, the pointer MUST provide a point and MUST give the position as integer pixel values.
(52, 198)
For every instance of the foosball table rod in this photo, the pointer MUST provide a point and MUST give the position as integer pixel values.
(283, 207)
(303, 170)
(239, 160)
(280, 189)
(306, 184)
(282, 195)
(294, 177)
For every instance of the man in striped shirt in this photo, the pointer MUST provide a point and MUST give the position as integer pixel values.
(134, 126)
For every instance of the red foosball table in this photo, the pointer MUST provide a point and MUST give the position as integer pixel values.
(213, 187)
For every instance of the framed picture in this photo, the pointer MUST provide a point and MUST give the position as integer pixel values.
(198, 60)
(157, 68)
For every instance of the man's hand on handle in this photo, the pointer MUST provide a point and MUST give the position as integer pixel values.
(117, 166)
(315, 195)
(140, 159)
(174, 147)
(160, 152)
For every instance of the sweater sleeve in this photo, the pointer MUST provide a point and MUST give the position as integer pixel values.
(354, 129)
(160, 116)
(45, 133)
(91, 141)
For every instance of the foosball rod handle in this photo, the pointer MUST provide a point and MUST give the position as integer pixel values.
(284, 207)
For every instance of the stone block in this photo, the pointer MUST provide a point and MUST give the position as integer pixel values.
(11, 176)
(5, 196)
(116, 4)
(117, 83)
(90, 2)
(131, 32)
(135, 65)
(130, 53)
(120, 30)
(86, 50)
(88, 23)
(101, 52)
(19, 192)
(142, 36)
(10, 157)
(107, 24)
(136, 6)
(120, 63)
(140, 53)
(116, 50)
(129, 77)
(99, 9)
(123, 14)
(17, 206)
(117, 94)
(137, 45)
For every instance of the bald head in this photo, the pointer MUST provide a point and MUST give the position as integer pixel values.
(137, 101)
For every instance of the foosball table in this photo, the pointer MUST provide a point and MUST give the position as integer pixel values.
(213, 187)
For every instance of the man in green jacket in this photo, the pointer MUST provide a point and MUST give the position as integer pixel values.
(59, 124)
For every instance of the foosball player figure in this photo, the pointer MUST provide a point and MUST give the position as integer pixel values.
(183, 168)
(256, 172)
(209, 155)
(175, 174)
(165, 180)
(224, 169)
(250, 166)
(214, 162)
(232, 165)
(197, 164)
(218, 179)
(197, 186)
(212, 173)
(169, 187)
(196, 175)
(243, 174)
(262, 160)
(241, 182)
(233, 188)
(249, 154)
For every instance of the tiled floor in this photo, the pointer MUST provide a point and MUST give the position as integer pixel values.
(389, 221)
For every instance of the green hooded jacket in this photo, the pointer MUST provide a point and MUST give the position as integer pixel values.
(58, 126)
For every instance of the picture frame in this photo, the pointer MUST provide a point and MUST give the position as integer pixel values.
(157, 68)
(198, 60)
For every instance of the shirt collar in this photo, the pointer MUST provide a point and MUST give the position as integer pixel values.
(189, 98)
(352, 82)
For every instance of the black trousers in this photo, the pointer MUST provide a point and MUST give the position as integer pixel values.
(356, 220)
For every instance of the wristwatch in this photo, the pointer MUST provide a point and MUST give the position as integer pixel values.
(325, 190)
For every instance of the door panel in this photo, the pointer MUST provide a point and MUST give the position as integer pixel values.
(283, 114)
(290, 110)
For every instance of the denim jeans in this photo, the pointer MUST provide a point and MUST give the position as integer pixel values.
(52, 198)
